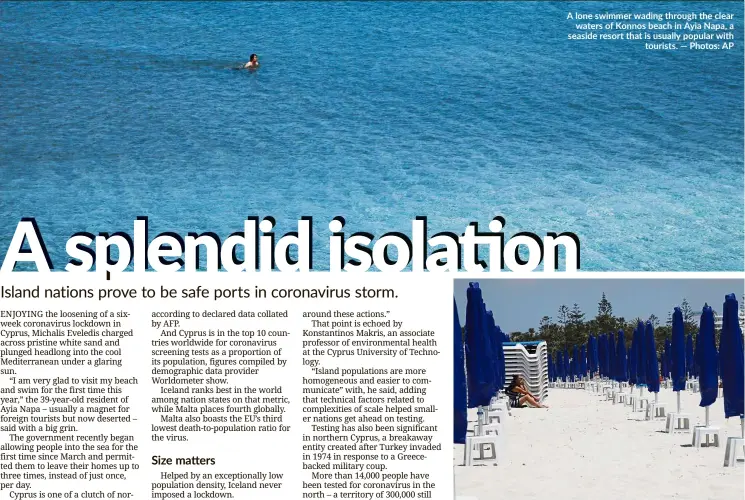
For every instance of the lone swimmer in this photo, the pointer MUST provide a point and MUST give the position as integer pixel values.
(253, 62)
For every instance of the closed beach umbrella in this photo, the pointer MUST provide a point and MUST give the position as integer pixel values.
(653, 367)
(591, 355)
(567, 371)
(595, 356)
(611, 356)
(500, 359)
(628, 362)
(607, 353)
(460, 403)
(553, 367)
(697, 353)
(572, 369)
(706, 358)
(731, 360)
(552, 360)
(583, 361)
(678, 355)
(632, 358)
(556, 370)
(621, 369)
(491, 328)
(562, 365)
(641, 356)
(489, 332)
(479, 369)
(564, 373)
(634, 354)
(550, 368)
(669, 359)
(575, 362)
(689, 357)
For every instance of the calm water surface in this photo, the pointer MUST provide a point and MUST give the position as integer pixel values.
(379, 112)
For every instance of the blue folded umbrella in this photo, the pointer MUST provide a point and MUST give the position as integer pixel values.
(583, 361)
(575, 362)
(731, 359)
(500, 359)
(706, 358)
(677, 351)
(653, 367)
(641, 355)
(495, 341)
(479, 368)
(460, 402)
(621, 369)
(595, 355)
(608, 353)
(632, 358)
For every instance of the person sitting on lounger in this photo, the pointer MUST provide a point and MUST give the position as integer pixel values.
(524, 397)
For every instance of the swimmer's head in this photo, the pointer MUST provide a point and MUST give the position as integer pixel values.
(253, 58)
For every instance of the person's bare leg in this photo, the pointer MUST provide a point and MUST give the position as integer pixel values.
(532, 402)
(527, 400)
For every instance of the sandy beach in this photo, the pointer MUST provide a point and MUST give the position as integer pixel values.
(585, 447)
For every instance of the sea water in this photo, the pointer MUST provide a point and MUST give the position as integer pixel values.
(378, 112)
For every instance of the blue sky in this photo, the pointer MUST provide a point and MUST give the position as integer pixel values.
(519, 304)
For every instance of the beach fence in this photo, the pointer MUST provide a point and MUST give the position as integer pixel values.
(530, 360)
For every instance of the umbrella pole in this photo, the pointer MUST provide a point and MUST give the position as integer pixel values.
(678, 401)
(742, 426)
(707, 418)
(656, 397)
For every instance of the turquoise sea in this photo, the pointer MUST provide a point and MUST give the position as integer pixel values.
(375, 111)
